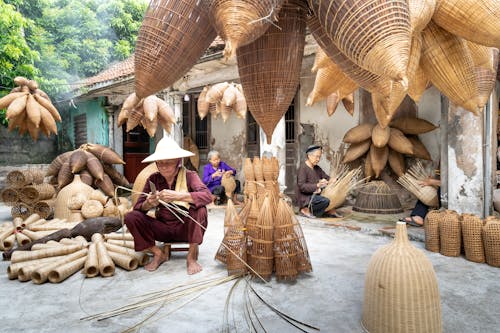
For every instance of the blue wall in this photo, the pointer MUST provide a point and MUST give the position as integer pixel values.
(97, 121)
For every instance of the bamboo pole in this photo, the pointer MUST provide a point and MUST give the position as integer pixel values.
(124, 243)
(24, 273)
(141, 257)
(124, 260)
(63, 272)
(19, 256)
(40, 275)
(13, 269)
(90, 268)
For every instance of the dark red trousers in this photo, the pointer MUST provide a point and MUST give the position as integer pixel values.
(146, 230)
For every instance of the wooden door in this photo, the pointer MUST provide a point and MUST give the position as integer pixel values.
(135, 149)
(291, 150)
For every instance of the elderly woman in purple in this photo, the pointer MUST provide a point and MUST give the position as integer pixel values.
(212, 175)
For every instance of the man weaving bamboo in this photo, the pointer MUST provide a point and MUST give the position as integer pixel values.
(179, 198)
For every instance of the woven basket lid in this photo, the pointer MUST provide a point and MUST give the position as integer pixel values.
(401, 290)
(377, 197)
(61, 210)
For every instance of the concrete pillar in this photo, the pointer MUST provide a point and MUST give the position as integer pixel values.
(277, 148)
(175, 102)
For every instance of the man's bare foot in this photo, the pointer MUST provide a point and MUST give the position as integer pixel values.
(193, 267)
(159, 257)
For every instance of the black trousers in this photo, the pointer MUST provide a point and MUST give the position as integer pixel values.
(318, 205)
(422, 209)
(220, 191)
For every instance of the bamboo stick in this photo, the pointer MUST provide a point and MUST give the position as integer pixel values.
(106, 265)
(121, 236)
(141, 257)
(19, 256)
(13, 269)
(63, 272)
(40, 275)
(90, 268)
(124, 260)
(124, 243)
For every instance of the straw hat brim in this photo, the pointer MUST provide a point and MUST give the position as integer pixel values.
(167, 149)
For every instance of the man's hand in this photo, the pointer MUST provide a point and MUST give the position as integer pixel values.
(322, 183)
(169, 195)
(151, 201)
(217, 173)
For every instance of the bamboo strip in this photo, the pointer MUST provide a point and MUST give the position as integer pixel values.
(19, 256)
(141, 257)
(124, 260)
(40, 275)
(63, 272)
(91, 264)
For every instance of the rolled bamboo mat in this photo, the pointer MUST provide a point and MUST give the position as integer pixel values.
(491, 238)
(141, 257)
(120, 242)
(472, 226)
(24, 273)
(106, 265)
(450, 234)
(431, 228)
(91, 266)
(125, 261)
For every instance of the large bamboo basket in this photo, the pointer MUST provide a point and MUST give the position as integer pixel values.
(396, 162)
(401, 290)
(491, 238)
(364, 78)
(472, 235)
(450, 234)
(269, 67)
(376, 197)
(475, 20)
(378, 158)
(356, 150)
(359, 133)
(413, 125)
(140, 181)
(173, 36)
(431, 229)
(286, 244)
(419, 150)
(61, 210)
(421, 12)
(418, 84)
(375, 34)
(447, 62)
(240, 22)
(260, 241)
(485, 73)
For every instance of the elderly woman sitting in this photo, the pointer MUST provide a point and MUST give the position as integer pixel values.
(179, 199)
(212, 176)
(311, 179)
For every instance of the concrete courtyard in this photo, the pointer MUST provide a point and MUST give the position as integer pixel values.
(329, 298)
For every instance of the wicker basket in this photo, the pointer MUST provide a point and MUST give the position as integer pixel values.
(378, 158)
(421, 12)
(419, 150)
(418, 84)
(401, 290)
(260, 241)
(173, 36)
(450, 234)
(356, 150)
(359, 133)
(485, 61)
(61, 210)
(375, 34)
(399, 142)
(473, 241)
(269, 67)
(447, 62)
(286, 244)
(431, 228)
(491, 239)
(478, 21)
(376, 197)
(397, 162)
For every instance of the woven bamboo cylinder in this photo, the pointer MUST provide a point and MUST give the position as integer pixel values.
(19, 256)
(61, 273)
(447, 62)
(41, 274)
(44, 208)
(24, 272)
(22, 239)
(10, 196)
(8, 242)
(450, 234)
(235, 240)
(120, 242)
(13, 269)
(37, 175)
(473, 240)
(6, 232)
(21, 210)
(61, 210)
(33, 193)
(91, 266)
(141, 257)
(179, 30)
(431, 228)
(286, 244)
(491, 239)
(374, 34)
(125, 261)
(356, 150)
(412, 125)
(35, 235)
(19, 178)
(359, 133)
(401, 289)
(478, 21)
(119, 235)
(106, 265)
(376, 197)
(269, 67)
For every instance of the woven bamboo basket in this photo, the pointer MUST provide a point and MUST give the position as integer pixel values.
(92, 208)
(321, 60)
(376, 197)
(10, 196)
(399, 142)
(412, 125)
(348, 102)
(367, 169)
(235, 239)
(240, 22)
(426, 194)
(332, 101)
(229, 184)
(125, 261)
(173, 36)
(485, 73)
(421, 12)
(77, 161)
(91, 268)
(286, 244)
(364, 78)
(41, 274)
(269, 67)
(397, 162)
(44, 208)
(260, 241)
(356, 150)
(450, 234)
(141, 257)
(190, 145)
(202, 103)
(401, 289)
(419, 150)
(61, 273)
(473, 240)
(380, 136)
(378, 157)
(19, 256)
(375, 34)
(478, 21)
(359, 133)
(33, 193)
(21, 210)
(64, 176)
(140, 181)
(61, 210)
(105, 263)
(447, 62)
(337, 191)
(418, 84)
(491, 239)
(19, 178)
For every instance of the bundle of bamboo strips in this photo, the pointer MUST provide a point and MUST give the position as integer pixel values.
(412, 179)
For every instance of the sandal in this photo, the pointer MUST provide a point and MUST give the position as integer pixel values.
(301, 213)
(412, 222)
(335, 215)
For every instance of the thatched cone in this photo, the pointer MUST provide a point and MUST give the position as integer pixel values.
(269, 67)
(472, 226)
(401, 290)
(491, 238)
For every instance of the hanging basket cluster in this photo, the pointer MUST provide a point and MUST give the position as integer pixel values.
(265, 236)
(30, 109)
(221, 99)
(380, 146)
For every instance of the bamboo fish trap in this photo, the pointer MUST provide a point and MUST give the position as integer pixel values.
(431, 228)
(450, 234)
(173, 36)
(491, 238)
(376, 197)
(260, 241)
(472, 226)
(242, 22)
(411, 181)
(269, 67)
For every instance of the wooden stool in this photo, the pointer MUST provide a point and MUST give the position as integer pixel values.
(175, 247)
